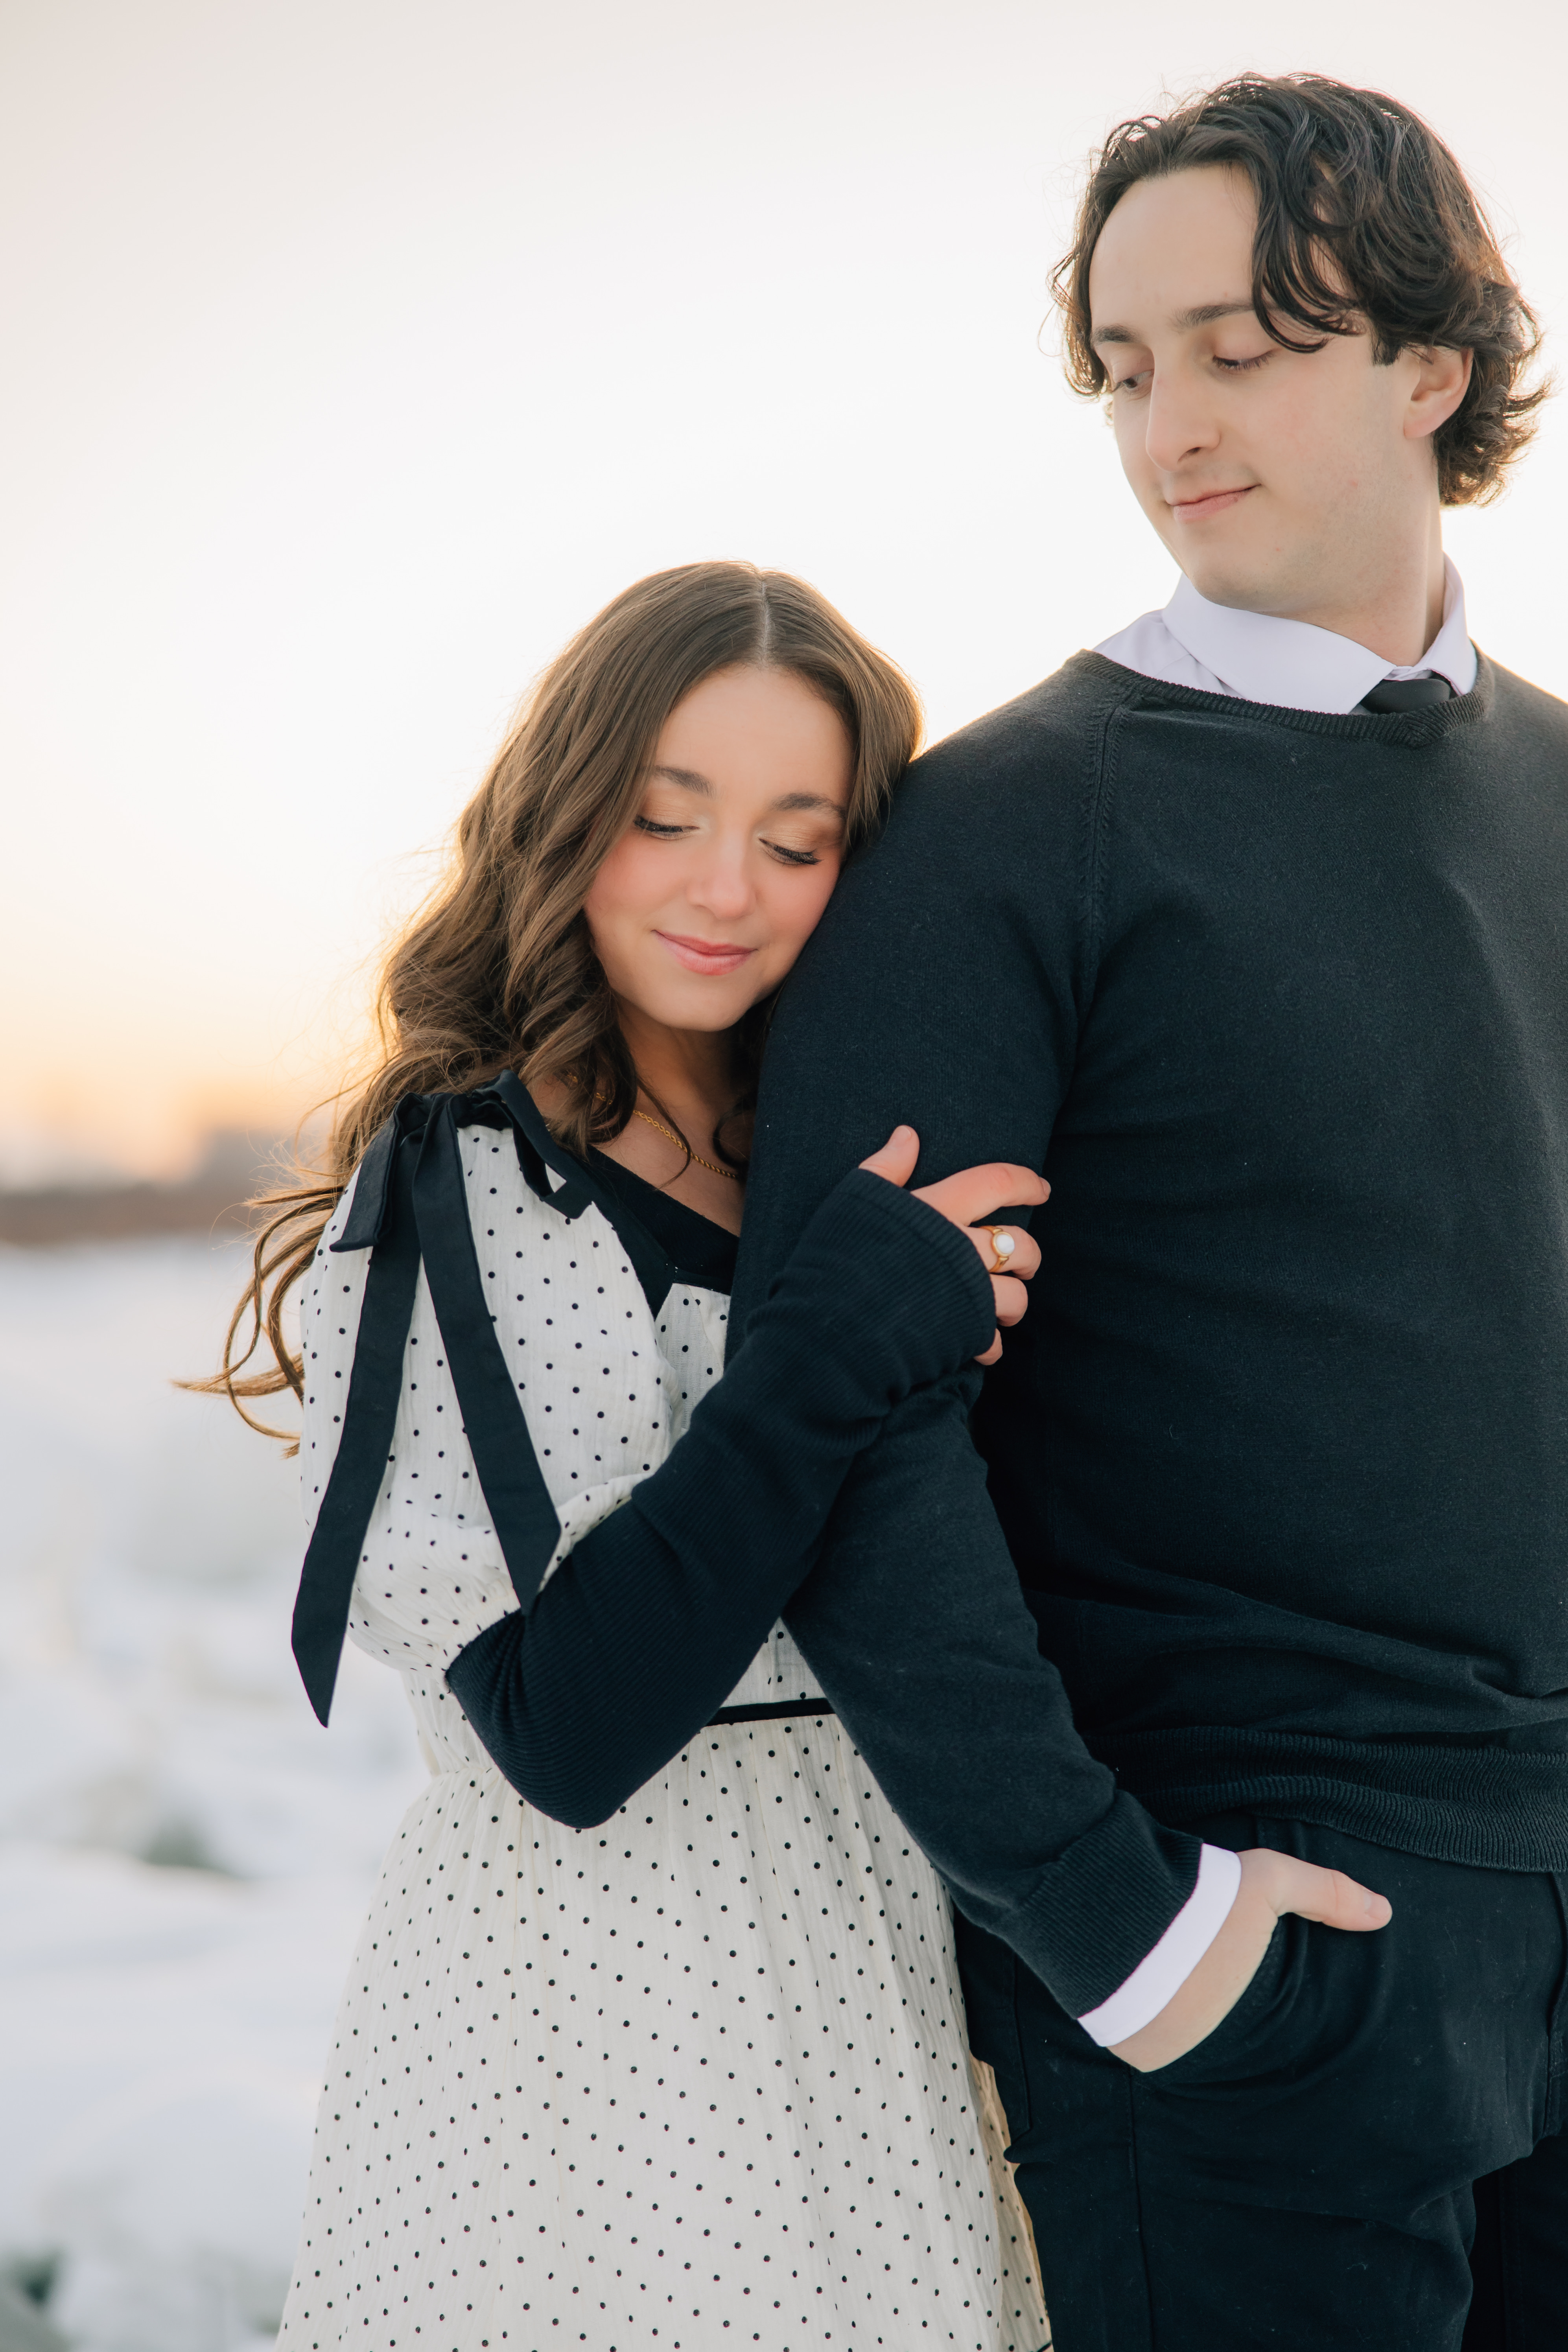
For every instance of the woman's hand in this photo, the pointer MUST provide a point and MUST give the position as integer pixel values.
(964, 1198)
(1272, 1885)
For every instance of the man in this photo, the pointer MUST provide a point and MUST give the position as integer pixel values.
(1250, 927)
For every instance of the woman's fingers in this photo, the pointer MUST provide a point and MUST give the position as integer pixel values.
(970, 1195)
(1020, 1262)
(978, 1192)
(896, 1160)
(964, 1198)
(1012, 1299)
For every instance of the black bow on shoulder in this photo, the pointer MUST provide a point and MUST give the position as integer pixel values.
(410, 1205)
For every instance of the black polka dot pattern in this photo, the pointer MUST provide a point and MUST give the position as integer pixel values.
(694, 2077)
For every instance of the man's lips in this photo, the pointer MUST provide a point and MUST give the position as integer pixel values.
(1208, 502)
(710, 956)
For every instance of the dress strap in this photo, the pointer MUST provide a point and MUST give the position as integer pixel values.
(412, 1206)
(494, 1422)
(369, 1413)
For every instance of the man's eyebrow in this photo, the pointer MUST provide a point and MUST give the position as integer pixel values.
(1207, 312)
(687, 778)
(1204, 315)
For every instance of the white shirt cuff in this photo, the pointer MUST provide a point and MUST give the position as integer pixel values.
(1164, 1970)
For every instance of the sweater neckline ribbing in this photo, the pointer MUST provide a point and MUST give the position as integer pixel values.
(1403, 730)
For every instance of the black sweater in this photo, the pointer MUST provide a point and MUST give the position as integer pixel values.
(1279, 1001)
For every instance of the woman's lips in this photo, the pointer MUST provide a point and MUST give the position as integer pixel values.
(713, 957)
(1212, 502)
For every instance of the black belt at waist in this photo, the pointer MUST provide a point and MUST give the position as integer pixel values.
(773, 1710)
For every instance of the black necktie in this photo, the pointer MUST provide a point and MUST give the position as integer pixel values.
(1406, 694)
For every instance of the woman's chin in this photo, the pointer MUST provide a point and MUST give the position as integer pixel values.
(701, 1004)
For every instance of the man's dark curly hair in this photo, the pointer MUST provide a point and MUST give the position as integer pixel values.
(1364, 217)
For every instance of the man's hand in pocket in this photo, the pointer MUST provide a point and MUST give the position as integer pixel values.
(1272, 1885)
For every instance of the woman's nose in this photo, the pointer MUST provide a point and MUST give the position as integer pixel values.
(721, 884)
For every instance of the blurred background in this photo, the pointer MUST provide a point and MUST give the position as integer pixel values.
(355, 355)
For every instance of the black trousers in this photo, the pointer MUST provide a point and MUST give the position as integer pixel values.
(1369, 2152)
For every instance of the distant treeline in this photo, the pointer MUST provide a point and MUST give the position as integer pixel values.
(212, 1198)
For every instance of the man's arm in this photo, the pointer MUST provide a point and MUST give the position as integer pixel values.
(914, 1623)
(945, 988)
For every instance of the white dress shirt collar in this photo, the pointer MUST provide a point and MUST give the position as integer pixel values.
(1256, 657)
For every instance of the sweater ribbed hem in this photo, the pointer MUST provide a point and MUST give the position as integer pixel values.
(1490, 1808)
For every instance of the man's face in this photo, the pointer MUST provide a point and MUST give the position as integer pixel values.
(1282, 482)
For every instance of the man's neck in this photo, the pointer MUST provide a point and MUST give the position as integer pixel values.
(1394, 610)
(1273, 657)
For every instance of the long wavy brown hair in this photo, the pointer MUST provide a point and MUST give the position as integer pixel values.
(497, 970)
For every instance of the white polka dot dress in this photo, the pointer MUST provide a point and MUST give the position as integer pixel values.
(697, 2077)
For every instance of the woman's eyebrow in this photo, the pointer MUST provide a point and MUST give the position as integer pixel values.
(687, 778)
(808, 800)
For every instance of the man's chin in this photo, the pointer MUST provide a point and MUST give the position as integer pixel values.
(1227, 578)
(1223, 559)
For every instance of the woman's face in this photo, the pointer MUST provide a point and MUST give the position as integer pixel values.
(710, 894)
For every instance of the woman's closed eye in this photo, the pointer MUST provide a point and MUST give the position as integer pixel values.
(659, 830)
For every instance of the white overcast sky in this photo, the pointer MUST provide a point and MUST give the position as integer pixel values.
(358, 350)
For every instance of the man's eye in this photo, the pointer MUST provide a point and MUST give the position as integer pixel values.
(1241, 367)
(1131, 383)
(659, 832)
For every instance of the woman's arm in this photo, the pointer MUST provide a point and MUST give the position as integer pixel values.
(647, 1626)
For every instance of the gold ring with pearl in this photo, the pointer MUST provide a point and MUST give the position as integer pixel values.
(1004, 1244)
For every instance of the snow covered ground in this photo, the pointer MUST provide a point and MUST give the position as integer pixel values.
(184, 1855)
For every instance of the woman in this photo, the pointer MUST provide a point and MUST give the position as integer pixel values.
(654, 2031)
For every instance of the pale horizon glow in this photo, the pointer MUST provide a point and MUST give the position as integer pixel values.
(358, 353)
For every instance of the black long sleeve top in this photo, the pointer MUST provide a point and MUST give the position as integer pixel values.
(1279, 1001)
(649, 1623)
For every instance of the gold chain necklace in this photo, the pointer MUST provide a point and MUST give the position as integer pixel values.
(680, 1143)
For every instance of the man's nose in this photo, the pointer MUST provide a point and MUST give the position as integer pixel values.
(1182, 424)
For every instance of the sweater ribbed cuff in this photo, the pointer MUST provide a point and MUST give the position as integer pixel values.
(877, 1265)
(1097, 1912)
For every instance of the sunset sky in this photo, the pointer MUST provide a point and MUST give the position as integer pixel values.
(357, 351)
